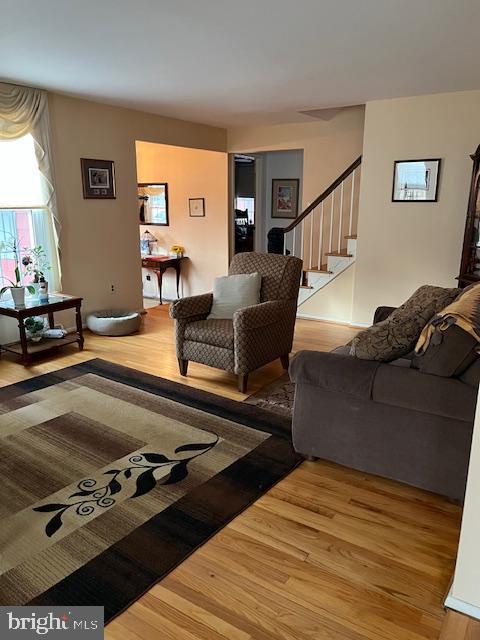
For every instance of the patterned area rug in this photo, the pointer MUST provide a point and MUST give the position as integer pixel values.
(276, 397)
(112, 477)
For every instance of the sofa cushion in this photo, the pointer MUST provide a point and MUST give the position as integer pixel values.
(471, 375)
(396, 336)
(410, 389)
(231, 293)
(218, 333)
(448, 343)
(448, 354)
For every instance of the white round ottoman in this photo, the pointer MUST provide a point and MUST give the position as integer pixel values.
(113, 323)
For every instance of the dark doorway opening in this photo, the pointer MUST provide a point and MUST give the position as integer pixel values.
(244, 218)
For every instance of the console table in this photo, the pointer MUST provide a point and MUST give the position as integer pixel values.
(160, 264)
(56, 302)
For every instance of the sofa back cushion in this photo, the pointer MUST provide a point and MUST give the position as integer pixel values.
(449, 342)
(397, 335)
(448, 354)
(471, 375)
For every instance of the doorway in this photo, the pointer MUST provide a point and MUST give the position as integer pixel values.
(244, 203)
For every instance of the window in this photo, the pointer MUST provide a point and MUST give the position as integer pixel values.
(24, 214)
(246, 204)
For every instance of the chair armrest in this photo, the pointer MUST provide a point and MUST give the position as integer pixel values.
(192, 306)
(334, 372)
(382, 313)
(262, 333)
(260, 315)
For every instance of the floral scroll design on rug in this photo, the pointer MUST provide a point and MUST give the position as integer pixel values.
(92, 495)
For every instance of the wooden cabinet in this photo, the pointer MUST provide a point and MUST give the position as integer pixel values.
(470, 264)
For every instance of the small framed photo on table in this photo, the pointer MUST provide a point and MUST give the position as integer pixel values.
(416, 180)
(196, 207)
(98, 178)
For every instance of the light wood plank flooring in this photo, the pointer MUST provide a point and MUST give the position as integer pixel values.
(329, 553)
(459, 627)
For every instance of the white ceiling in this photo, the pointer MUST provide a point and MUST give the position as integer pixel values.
(235, 62)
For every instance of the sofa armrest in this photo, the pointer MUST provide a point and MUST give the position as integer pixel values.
(334, 372)
(193, 306)
(382, 313)
(260, 315)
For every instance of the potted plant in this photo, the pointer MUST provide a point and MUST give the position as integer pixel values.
(17, 289)
(36, 262)
(35, 327)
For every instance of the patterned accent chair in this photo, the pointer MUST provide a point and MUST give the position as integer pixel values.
(256, 335)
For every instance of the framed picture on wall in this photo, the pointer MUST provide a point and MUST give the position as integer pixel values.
(98, 178)
(416, 180)
(153, 203)
(196, 207)
(285, 198)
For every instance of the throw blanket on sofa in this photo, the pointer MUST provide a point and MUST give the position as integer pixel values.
(464, 312)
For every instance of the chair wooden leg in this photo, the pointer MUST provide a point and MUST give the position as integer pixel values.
(183, 366)
(242, 382)
(285, 360)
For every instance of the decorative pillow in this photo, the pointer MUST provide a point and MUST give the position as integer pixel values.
(231, 293)
(448, 344)
(396, 336)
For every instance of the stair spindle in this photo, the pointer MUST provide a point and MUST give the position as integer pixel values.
(320, 240)
(330, 241)
(312, 220)
(302, 233)
(340, 223)
(350, 224)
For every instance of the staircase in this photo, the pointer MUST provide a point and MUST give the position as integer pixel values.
(324, 236)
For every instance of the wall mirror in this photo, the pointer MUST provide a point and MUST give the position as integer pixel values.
(153, 203)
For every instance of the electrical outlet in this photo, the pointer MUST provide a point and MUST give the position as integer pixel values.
(112, 288)
(148, 278)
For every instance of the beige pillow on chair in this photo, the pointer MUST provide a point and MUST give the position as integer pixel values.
(231, 293)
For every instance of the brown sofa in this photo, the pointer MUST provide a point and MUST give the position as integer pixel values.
(257, 334)
(387, 419)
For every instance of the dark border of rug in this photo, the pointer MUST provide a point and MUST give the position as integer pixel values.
(121, 574)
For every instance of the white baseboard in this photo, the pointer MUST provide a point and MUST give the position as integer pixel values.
(451, 602)
(306, 316)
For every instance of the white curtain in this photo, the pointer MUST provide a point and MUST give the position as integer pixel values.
(24, 110)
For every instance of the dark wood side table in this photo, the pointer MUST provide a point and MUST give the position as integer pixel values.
(160, 264)
(56, 302)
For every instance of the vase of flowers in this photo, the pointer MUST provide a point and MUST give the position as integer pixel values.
(17, 289)
(177, 251)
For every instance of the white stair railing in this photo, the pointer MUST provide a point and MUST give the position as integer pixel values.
(315, 225)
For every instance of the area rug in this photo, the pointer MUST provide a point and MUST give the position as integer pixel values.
(111, 477)
(276, 397)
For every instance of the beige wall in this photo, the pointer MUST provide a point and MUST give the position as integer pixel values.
(404, 245)
(328, 146)
(190, 173)
(99, 238)
(333, 302)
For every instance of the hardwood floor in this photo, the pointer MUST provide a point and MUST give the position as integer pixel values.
(328, 553)
(459, 627)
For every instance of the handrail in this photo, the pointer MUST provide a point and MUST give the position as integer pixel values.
(323, 196)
